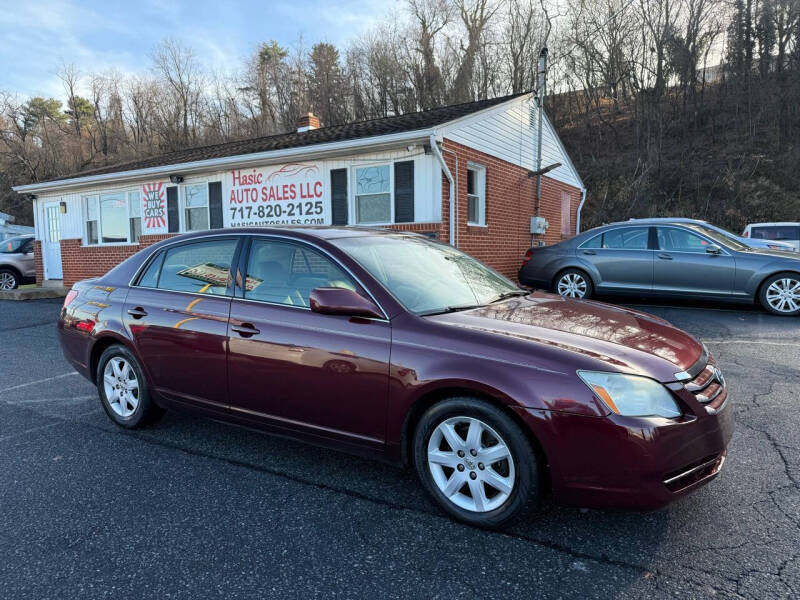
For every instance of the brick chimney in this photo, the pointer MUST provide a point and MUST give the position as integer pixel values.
(307, 122)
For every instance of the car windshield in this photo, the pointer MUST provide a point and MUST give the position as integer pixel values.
(425, 276)
(719, 237)
(12, 245)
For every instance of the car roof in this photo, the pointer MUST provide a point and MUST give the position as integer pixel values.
(323, 232)
(774, 224)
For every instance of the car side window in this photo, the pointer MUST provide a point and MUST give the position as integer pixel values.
(627, 238)
(594, 243)
(286, 273)
(680, 240)
(27, 247)
(200, 267)
(150, 276)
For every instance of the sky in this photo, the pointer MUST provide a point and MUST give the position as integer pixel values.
(37, 36)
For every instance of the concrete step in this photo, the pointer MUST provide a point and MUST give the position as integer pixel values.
(33, 293)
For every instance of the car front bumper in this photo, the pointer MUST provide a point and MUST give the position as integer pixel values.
(630, 462)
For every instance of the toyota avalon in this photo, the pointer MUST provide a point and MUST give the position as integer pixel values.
(398, 347)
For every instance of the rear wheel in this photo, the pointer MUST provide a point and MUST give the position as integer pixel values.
(780, 294)
(573, 283)
(475, 461)
(9, 280)
(123, 389)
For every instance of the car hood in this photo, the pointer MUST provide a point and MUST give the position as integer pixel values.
(624, 339)
(794, 256)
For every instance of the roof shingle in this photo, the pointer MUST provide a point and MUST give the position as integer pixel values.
(336, 133)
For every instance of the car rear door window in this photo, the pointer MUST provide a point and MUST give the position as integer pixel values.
(626, 238)
(284, 273)
(200, 267)
(680, 240)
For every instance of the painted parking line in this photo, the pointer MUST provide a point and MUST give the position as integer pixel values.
(753, 342)
(60, 421)
(45, 380)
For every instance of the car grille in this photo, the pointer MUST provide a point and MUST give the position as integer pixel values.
(708, 387)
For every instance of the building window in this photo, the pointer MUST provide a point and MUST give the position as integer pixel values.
(195, 203)
(476, 194)
(373, 195)
(113, 218)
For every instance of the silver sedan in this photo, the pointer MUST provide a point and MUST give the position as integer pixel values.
(666, 260)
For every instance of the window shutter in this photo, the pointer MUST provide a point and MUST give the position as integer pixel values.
(339, 196)
(173, 215)
(404, 192)
(215, 204)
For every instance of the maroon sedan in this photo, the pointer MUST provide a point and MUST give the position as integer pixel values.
(395, 346)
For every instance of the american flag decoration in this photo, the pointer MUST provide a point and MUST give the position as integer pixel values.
(155, 213)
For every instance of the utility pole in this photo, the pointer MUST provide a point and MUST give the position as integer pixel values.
(540, 92)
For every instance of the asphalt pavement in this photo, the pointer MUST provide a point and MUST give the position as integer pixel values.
(191, 508)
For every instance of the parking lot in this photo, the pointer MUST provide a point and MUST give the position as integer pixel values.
(193, 508)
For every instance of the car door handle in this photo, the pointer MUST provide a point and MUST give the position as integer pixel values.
(137, 313)
(665, 256)
(245, 329)
(590, 252)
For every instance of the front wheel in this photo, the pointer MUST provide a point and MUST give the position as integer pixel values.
(780, 294)
(123, 389)
(475, 461)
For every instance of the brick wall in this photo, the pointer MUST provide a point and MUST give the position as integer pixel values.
(81, 262)
(37, 262)
(510, 199)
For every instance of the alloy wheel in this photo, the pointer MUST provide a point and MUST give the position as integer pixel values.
(471, 464)
(783, 294)
(121, 386)
(572, 285)
(7, 281)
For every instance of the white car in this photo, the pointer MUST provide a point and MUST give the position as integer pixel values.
(787, 232)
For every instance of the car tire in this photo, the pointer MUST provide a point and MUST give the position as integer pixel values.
(462, 483)
(573, 283)
(123, 389)
(780, 294)
(9, 279)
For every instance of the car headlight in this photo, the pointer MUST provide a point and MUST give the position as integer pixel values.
(631, 395)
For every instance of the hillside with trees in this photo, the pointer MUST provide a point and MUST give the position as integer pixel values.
(667, 107)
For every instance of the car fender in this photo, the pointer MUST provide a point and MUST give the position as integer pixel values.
(591, 270)
(757, 278)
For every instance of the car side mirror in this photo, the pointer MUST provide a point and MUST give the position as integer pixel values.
(713, 249)
(342, 301)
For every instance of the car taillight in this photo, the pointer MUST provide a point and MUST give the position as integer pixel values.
(527, 256)
(71, 295)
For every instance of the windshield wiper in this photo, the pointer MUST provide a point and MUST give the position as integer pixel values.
(507, 295)
(448, 309)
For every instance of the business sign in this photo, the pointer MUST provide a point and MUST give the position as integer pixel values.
(154, 208)
(290, 194)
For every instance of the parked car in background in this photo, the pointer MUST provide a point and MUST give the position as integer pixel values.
(752, 242)
(774, 232)
(666, 259)
(400, 347)
(16, 262)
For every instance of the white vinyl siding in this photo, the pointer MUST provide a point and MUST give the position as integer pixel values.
(508, 132)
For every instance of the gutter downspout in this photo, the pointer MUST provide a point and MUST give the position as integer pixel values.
(578, 216)
(449, 175)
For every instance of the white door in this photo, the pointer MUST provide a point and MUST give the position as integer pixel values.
(51, 241)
